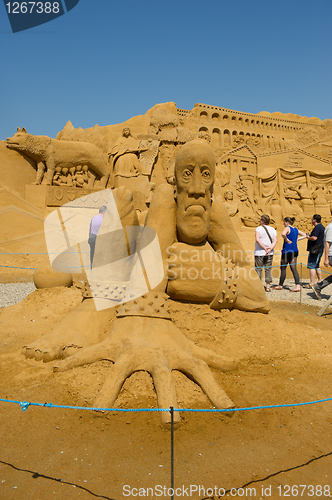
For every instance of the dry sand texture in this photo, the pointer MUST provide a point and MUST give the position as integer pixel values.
(285, 357)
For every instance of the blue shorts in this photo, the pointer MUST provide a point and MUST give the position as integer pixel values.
(314, 260)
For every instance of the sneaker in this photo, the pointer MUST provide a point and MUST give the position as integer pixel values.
(316, 291)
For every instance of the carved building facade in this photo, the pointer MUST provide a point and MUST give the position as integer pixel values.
(229, 128)
(261, 159)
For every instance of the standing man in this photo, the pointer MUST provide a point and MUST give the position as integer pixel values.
(95, 224)
(327, 261)
(265, 241)
(315, 247)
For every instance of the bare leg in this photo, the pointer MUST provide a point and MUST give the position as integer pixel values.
(312, 274)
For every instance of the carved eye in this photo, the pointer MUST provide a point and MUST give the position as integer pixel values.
(206, 174)
(187, 173)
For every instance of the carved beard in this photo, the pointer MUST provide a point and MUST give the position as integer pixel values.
(193, 218)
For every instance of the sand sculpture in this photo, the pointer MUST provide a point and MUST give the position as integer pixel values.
(203, 261)
(125, 155)
(46, 277)
(272, 162)
(78, 177)
(131, 161)
(51, 153)
(231, 206)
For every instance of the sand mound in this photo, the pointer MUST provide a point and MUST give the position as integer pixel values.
(285, 357)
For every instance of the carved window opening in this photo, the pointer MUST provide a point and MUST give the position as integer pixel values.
(227, 140)
(216, 138)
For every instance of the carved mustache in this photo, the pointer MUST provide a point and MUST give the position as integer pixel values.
(196, 205)
(199, 202)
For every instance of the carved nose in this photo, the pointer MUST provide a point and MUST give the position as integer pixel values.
(196, 187)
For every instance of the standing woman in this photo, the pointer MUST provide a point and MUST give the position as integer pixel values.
(289, 253)
(265, 241)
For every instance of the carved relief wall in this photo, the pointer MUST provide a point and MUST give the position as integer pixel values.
(254, 151)
(274, 163)
(233, 128)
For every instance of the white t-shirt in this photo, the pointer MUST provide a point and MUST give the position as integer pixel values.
(265, 240)
(328, 237)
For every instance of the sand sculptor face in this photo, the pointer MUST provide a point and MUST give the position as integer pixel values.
(194, 176)
(228, 195)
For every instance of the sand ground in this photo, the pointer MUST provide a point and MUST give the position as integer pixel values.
(285, 357)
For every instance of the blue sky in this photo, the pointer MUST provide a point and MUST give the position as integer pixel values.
(106, 61)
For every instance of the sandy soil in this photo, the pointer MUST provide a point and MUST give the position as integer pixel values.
(285, 357)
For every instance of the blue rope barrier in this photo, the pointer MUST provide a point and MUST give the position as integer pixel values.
(33, 268)
(37, 253)
(277, 253)
(285, 265)
(15, 267)
(25, 405)
(79, 267)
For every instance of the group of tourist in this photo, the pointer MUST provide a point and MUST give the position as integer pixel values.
(319, 243)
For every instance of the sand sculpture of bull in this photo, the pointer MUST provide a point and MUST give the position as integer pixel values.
(51, 153)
